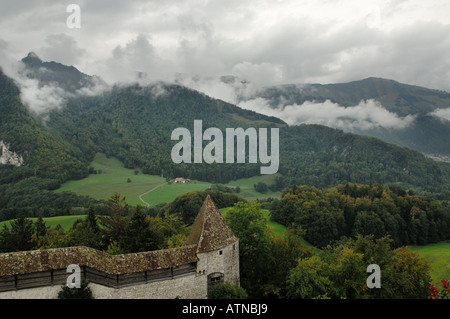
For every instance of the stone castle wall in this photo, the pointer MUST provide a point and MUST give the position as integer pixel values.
(187, 286)
(210, 256)
(187, 281)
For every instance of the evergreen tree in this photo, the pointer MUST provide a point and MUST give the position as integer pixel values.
(21, 234)
(114, 224)
(91, 221)
(88, 233)
(5, 240)
(141, 234)
(40, 228)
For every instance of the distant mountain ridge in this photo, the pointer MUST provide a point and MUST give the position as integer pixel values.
(402, 99)
(427, 133)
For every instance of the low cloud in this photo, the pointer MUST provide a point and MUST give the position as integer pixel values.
(367, 115)
(37, 99)
(230, 89)
(43, 99)
(442, 113)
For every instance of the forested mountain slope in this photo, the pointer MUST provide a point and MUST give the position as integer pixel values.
(47, 161)
(134, 123)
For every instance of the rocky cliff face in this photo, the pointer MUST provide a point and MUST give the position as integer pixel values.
(8, 157)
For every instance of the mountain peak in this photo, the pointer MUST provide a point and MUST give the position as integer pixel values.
(32, 60)
(32, 55)
(68, 78)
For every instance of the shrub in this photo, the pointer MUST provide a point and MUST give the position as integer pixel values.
(84, 292)
(227, 291)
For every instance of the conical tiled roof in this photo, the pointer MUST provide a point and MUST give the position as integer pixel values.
(210, 230)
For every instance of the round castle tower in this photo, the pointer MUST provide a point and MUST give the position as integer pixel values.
(217, 246)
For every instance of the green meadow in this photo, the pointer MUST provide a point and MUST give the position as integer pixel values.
(66, 222)
(247, 190)
(168, 192)
(113, 177)
(439, 257)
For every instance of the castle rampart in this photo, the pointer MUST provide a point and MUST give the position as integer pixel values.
(211, 255)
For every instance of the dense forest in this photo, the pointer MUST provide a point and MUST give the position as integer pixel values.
(284, 267)
(271, 266)
(135, 123)
(326, 215)
(329, 157)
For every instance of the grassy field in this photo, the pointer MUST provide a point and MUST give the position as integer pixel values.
(168, 192)
(247, 190)
(113, 178)
(152, 189)
(439, 257)
(66, 222)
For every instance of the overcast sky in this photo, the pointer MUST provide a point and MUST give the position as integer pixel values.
(265, 42)
(284, 41)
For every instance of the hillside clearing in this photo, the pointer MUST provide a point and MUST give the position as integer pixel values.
(142, 189)
(113, 178)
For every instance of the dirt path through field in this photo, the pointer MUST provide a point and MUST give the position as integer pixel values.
(140, 196)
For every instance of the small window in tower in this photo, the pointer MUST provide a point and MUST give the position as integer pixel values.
(220, 252)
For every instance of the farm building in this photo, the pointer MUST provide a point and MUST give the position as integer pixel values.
(182, 180)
